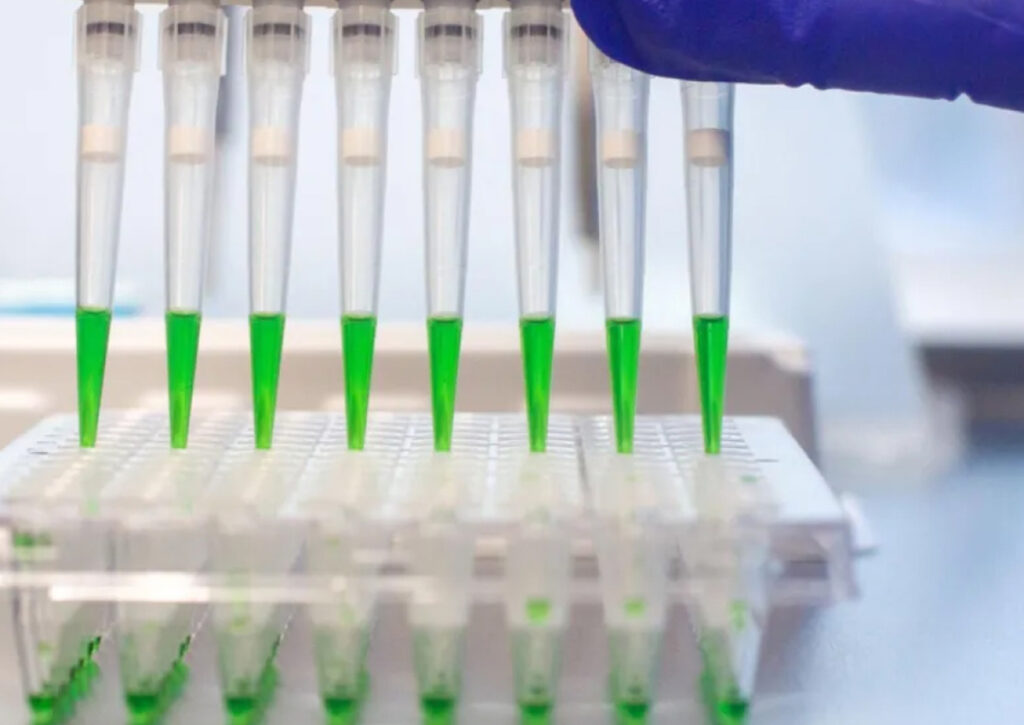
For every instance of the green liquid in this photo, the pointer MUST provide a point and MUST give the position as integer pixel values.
(438, 710)
(631, 713)
(150, 707)
(92, 327)
(266, 337)
(342, 710)
(711, 345)
(358, 335)
(249, 708)
(444, 336)
(536, 713)
(56, 704)
(538, 340)
(722, 698)
(623, 362)
(182, 353)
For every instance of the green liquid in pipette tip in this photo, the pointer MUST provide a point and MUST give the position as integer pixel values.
(623, 362)
(266, 337)
(182, 353)
(92, 327)
(711, 346)
(444, 337)
(357, 336)
(538, 340)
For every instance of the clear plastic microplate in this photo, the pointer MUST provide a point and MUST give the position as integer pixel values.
(485, 581)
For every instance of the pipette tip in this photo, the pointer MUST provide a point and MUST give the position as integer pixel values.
(182, 354)
(623, 363)
(445, 340)
(266, 335)
(92, 327)
(711, 345)
(358, 334)
(538, 341)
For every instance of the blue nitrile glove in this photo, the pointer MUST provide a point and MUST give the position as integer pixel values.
(928, 48)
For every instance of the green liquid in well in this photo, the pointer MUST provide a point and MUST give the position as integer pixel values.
(722, 697)
(438, 710)
(444, 336)
(538, 340)
(266, 337)
(623, 362)
(249, 709)
(92, 328)
(711, 345)
(357, 335)
(342, 710)
(182, 353)
(55, 704)
(536, 713)
(631, 713)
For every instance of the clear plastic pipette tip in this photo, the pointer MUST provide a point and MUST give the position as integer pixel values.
(192, 45)
(620, 101)
(364, 61)
(278, 58)
(535, 41)
(449, 65)
(107, 48)
(708, 114)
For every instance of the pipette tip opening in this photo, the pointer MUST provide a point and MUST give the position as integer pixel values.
(92, 327)
(266, 333)
(182, 355)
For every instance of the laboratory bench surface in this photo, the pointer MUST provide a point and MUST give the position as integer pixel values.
(935, 639)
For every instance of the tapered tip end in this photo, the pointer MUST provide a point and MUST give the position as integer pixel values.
(266, 336)
(92, 328)
(538, 342)
(711, 347)
(358, 335)
(445, 343)
(182, 355)
(623, 364)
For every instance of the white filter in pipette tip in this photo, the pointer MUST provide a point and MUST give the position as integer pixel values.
(709, 146)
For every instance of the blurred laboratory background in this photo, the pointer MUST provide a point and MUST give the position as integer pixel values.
(877, 248)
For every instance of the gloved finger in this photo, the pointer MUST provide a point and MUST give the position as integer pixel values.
(927, 48)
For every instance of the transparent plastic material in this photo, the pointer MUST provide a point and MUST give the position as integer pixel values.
(108, 39)
(407, 552)
(449, 64)
(192, 39)
(364, 61)
(278, 58)
(620, 102)
(708, 112)
(534, 63)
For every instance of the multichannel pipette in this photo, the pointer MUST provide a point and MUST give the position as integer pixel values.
(449, 67)
(363, 65)
(534, 50)
(708, 112)
(107, 47)
(278, 57)
(192, 41)
(620, 101)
